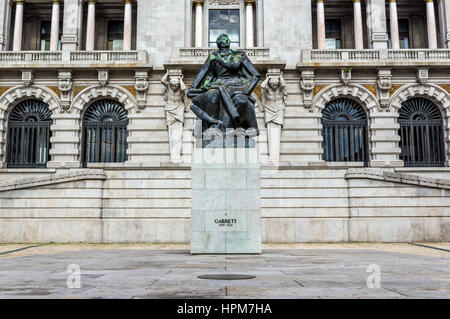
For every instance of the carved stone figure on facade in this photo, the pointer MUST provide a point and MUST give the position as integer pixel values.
(141, 86)
(307, 84)
(176, 106)
(65, 87)
(274, 96)
(221, 92)
(384, 83)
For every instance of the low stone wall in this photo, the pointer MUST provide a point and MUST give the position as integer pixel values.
(153, 205)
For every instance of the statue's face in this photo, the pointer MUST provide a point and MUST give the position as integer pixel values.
(223, 41)
(174, 83)
(274, 82)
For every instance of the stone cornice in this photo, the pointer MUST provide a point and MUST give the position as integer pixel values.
(379, 174)
(72, 176)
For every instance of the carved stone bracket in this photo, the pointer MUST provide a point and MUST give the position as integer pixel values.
(346, 75)
(27, 78)
(141, 86)
(422, 75)
(307, 84)
(66, 88)
(384, 82)
(103, 78)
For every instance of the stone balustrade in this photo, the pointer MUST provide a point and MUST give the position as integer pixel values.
(376, 57)
(80, 58)
(204, 52)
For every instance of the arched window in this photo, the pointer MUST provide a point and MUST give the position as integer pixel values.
(421, 133)
(29, 134)
(345, 137)
(105, 133)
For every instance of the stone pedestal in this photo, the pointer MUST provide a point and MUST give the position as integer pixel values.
(226, 197)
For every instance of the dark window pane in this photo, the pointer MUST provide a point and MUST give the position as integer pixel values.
(29, 135)
(344, 132)
(421, 133)
(105, 131)
(115, 35)
(224, 21)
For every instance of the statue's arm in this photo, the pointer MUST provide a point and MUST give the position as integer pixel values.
(164, 79)
(196, 89)
(255, 76)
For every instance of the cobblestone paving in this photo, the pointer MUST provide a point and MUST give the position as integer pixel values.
(311, 273)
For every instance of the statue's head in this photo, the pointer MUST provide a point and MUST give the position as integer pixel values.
(223, 41)
(274, 82)
(174, 83)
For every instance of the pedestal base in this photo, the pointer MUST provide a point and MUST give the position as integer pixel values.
(226, 199)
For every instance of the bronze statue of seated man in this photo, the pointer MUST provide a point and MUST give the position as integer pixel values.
(221, 92)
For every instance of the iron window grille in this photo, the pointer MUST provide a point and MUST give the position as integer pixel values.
(421, 134)
(345, 132)
(28, 141)
(105, 133)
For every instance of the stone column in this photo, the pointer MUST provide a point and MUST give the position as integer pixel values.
(18, 27)
(127, 24)
(198, 23)
(73, 13)
(358, 28)
(431, 25)
(54, 37)
(377, 24)
(249, 23)
(395, 39)
(260, 23)
(4, 23)
(90, 30)
(320, 25)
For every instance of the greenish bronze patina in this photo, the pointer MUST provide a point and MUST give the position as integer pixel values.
(221, 92)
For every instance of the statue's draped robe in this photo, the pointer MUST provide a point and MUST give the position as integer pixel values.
(219, 78)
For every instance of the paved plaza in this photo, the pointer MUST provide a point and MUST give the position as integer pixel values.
(314, 271)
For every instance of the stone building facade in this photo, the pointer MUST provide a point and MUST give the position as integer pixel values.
(354, 117)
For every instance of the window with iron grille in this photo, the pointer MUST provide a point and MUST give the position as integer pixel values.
(345, 132)
(28, 142)
(421, 133)
(105, 133)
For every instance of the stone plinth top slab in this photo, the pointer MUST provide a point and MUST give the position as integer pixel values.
(379, 174)
(76, 175)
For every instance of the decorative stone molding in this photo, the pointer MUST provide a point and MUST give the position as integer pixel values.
(27, 78)
(274, 96)
(69, 39)
(346, 75)
(353, 91)
(223, 2)
(379, 174)
(307, 85)
(20, 93)
(434, 92)
(66, 90)
(72, 176)
(141, 86)
(384, 82)
(176, 105)
(422, 75)
(93, 93)
(103, 77)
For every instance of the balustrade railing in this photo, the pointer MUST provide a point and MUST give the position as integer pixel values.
(373, 55)
(74, 57)
(204, 52)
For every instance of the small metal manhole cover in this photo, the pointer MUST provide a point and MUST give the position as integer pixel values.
(226, 277)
